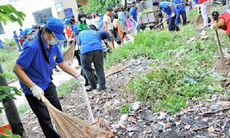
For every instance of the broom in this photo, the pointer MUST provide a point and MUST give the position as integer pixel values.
(71, 127)
(222, 63)
(68, 55)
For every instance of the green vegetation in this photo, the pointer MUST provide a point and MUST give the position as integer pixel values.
(22, 109)
(8, 56)
(10, 135)
(9, 41)
(125, 109)
(99, 5)
(10, 14)
(186, 73)
(67, 86)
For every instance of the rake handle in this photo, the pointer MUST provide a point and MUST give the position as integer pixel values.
(87, 103)
(220, 50)
(162, 21)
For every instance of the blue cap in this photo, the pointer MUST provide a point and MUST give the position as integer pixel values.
(22, 36)
(14, 31)
(57, 27)
(20, 29)
(100, 14)
(67, 21)
(27, 31)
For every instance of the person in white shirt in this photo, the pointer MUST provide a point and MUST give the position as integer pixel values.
(108, 23)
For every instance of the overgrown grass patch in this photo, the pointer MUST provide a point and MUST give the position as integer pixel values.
(8, 56)
(187, 66)
(169, 88)
(67, 86)
(23, 108)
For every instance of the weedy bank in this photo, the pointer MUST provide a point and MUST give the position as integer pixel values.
(183, 69)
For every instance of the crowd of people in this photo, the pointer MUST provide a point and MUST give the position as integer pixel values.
(41, 50)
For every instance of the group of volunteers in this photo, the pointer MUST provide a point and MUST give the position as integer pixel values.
(41, 50)
(25, 36)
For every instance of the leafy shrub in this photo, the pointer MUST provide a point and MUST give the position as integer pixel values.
(9, 41)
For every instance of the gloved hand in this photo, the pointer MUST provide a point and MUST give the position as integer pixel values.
(220, 23)
(80, 79)
(173, 14)
(37, 92)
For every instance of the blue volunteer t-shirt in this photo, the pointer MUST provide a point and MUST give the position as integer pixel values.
(89, 40)
(0, 43)
(35, 66)
(21, 33)
(15, 36)
(25, 43)
(164, 6)
(180, 7)
(196, 1)
(133, 12)
(75, 31)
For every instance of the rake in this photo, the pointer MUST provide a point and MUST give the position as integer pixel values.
(71, 127)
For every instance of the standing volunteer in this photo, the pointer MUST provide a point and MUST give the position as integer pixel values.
(171, 11)
(92, 52)
(223, 22)
(17, 41)
(28, 35)
(82, 25)
(204, 4)
(133, 17)
(34, 67)
(108, 23)
(180, 5)
(70, 24)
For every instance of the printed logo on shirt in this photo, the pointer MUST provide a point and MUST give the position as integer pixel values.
(54, 56)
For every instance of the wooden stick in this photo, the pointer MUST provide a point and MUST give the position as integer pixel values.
(200, 128)
(162, 21)
(213, 112)
(117, 71)
(222, 63)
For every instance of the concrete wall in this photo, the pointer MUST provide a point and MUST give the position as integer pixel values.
(68, 4)
(30, 6)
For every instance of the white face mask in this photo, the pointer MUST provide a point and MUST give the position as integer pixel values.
(30, 37)
(53, 41)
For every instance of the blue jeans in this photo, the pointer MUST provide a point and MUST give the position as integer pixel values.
(95, 57)
(135, 28)
(19, 47)
(184, 17)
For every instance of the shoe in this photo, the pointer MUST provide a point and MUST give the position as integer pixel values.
(89, 89)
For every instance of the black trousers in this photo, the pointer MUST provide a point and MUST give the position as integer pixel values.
(77, 55)
(41, 111)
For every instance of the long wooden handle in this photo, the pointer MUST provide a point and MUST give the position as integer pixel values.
(163, 21)
(220, 51)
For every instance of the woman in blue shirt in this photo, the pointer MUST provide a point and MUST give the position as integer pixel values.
(91, 51)
(34, 67)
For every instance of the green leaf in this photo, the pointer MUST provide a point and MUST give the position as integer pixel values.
(8, 132)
